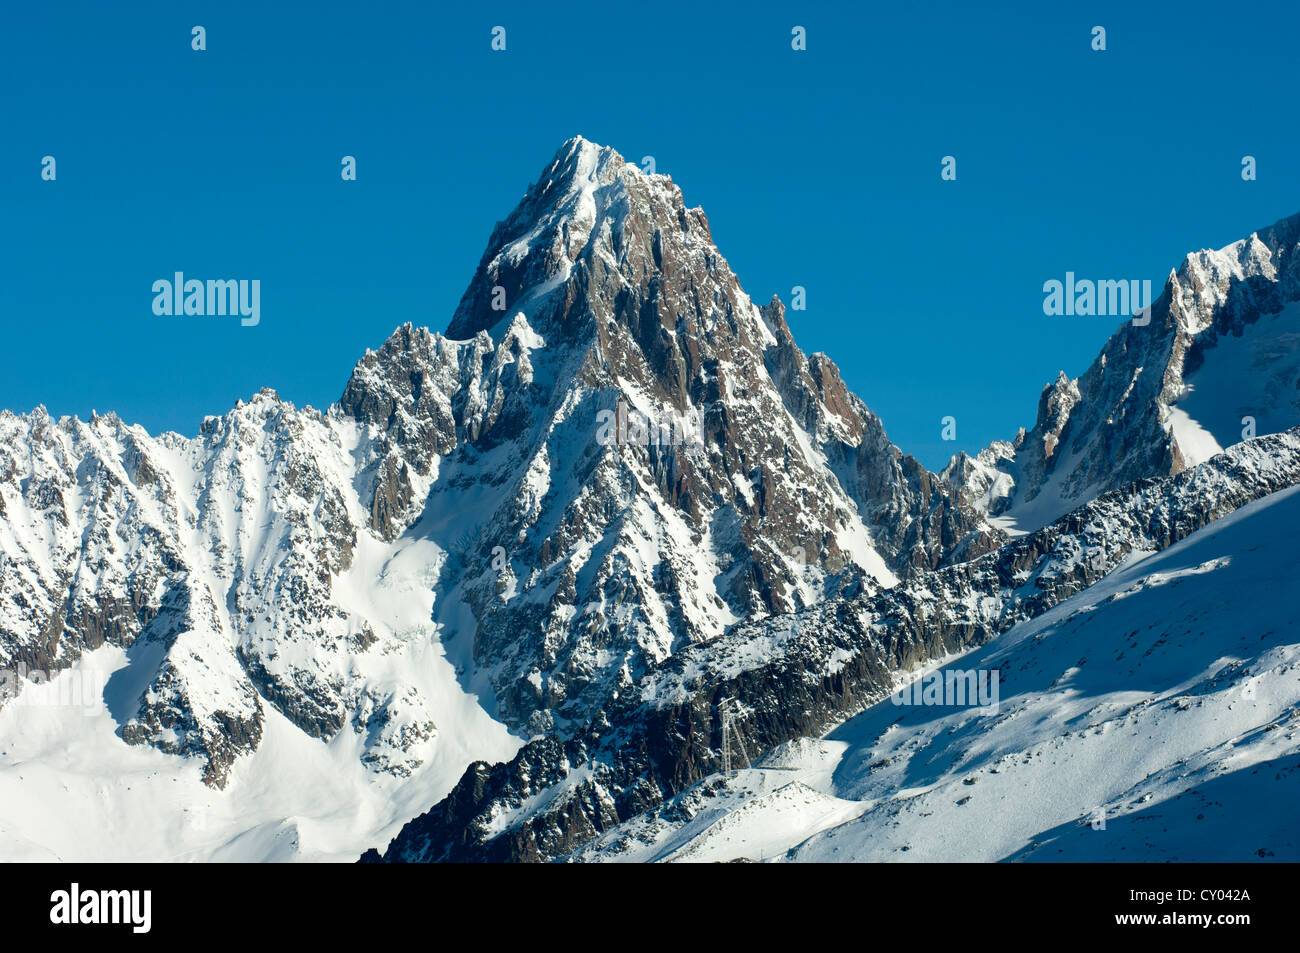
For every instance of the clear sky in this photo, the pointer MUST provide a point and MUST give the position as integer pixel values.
(818, 168)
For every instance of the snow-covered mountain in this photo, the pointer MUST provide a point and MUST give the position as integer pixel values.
(653, 460)
(613, 454)
(1218, 362)
(513, 572)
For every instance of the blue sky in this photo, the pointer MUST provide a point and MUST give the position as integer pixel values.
(818, 168)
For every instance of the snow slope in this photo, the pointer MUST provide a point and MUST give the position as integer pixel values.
(1255, 373)
(1155, 716)
(72, 790)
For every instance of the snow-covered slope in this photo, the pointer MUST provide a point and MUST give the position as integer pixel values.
(72, 790)
(1155, 716)
(1248, 379)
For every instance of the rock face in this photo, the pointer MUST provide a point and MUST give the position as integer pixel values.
(612, 455)
(1220, 350)
(796, 675)
(916, 518)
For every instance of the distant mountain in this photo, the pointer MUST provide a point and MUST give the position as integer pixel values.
(1218, 362)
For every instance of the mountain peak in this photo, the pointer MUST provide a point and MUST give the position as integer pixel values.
(580, 153)
(582, 201)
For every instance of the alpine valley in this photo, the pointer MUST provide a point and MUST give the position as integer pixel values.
(527, 585)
